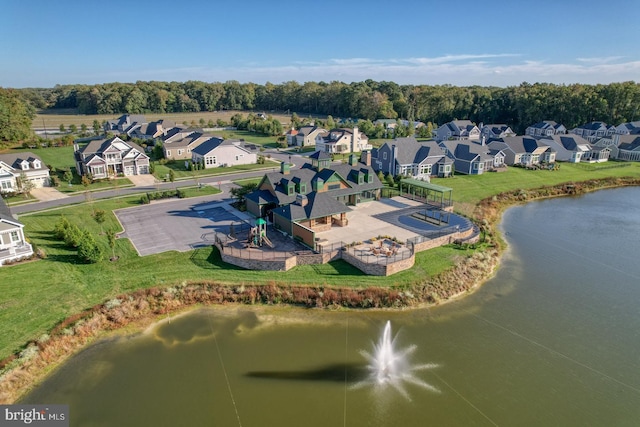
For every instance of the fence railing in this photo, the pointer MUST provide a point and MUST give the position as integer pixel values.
(223, 242)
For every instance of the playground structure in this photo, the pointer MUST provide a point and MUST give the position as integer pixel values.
(258, 235)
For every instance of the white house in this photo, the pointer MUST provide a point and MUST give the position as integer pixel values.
(14, 167)
(218, 152)
(13, 244)
(107, 157)
(342, 140)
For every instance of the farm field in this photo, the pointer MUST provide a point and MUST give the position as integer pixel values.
(53, 118)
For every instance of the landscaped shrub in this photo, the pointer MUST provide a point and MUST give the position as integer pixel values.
(72, 236)
(59, 230)
(144, 200)
(88, 249)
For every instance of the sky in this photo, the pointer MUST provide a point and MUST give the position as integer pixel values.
(462, 43)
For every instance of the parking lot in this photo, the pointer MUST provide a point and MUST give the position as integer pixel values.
(179, 225)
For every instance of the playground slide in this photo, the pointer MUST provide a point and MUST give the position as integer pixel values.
(266, 240)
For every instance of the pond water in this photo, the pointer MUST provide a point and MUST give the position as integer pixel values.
(552, 339)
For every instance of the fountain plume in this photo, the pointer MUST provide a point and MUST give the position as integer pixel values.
(389, 367)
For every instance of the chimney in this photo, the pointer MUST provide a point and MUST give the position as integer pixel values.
(301, 200)
(394, 156)
(355, 139)
(365, 157)
(285, 168)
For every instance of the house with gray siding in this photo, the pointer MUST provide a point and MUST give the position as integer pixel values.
(13, 244)
(546, 128)
(472, 158)
(523, 150)
(408, 157)
(594, 130)
(572, 148)
(217, 152)
(306, 136)
(109, 157)
(493, 131)
(457, 129)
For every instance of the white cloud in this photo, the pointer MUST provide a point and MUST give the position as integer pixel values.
(499, 69)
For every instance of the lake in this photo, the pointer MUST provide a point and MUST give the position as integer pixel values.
(552, 339)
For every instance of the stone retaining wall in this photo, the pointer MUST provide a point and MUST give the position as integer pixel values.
(375, 269)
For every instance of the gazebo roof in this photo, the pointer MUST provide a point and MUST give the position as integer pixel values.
(427, 185)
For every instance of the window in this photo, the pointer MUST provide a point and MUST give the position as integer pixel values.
(290, 189)
(6, 185)
(384, 156)
(210, 160)
(14, 236)
(303, 188)
(237, 158)
(168, 153)
(334, 186)
(180, 152)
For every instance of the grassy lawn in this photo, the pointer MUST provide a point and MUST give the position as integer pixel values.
(247, 181)
(162, 171)
(469, 189)
(55, 157)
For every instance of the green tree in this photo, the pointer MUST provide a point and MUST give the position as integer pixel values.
(100, 216)
(172, 176)
(96, 126)
(26, 185)
(88, 249)
(111, 240)
(239, 193)
(62, 128)
(68, 175)
(73, 128)
(16, 116)
(83, 128)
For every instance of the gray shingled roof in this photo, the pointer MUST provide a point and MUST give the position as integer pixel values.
(410, 151)
(318, 205)
(14, 160)
(5, 212)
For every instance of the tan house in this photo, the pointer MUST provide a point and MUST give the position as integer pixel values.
(181, 148)
(306, 136)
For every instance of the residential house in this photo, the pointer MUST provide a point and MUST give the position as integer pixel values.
(523, 150)
(546, 128)
(218, 152)
(342, 140)
(629, 128)
(594, 130)
(13, 244)
(306, 136)
(315, 197)
(180, 145)
(457, 129)
(108, 157)
(125, 123)
(627, 147)
(18, 166)
(471, 158)
(574, 149)
(494, 131)
(153, 130)
(407, 156)
(391, 124)
(291, 137)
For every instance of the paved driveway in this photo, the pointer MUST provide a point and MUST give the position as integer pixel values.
(45, 194)
(180, 225)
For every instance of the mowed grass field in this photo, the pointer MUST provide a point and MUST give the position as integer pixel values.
(53, 118)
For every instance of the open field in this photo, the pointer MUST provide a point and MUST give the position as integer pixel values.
(35, 296)
(53, 118)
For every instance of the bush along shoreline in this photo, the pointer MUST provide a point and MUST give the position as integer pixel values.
(21, 371)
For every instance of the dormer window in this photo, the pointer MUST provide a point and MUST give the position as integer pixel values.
(24, 165)
(36, 164)
(290, 189)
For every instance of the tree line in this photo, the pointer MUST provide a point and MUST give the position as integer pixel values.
(517, 106)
